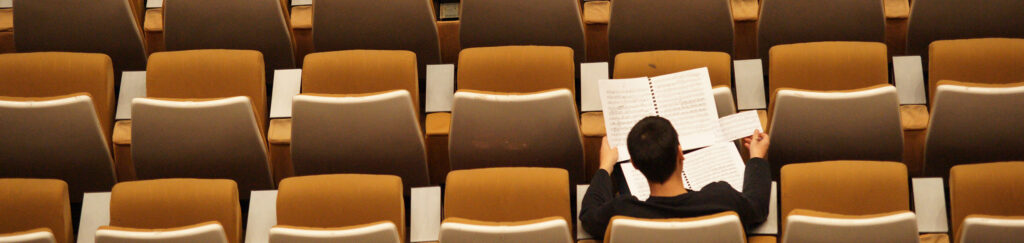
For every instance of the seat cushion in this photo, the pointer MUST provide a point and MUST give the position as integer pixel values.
(28, 204)
(172, 203)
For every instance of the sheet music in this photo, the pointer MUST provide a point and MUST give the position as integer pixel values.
(686, 100)
(739, 125)
(719, 162)
(625, 102)
(636, 181)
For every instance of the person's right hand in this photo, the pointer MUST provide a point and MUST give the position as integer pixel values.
(609, 156)
(757, 144)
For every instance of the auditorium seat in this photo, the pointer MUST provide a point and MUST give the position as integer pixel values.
(55, 119)
(368, 24)
(724, 227)
(486, 23)
(506, 69)
(932, 20)
(231, 24)
(34, 209)
(854, 199)
(173, 210)
(973, 123)
(102, 26)
(524, 201)
(350, 73)
(859, 124)
(188, 105)
(340, 208)
(798, 21)
(984, 202)
(491, 129)
(652, 25)
(983, 61)
(656, 63)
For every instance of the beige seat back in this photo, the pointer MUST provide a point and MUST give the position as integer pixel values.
(231, 24)
(507, 194)
(30, 206)
(377, 232)
(507, 130)
(813, 126)
(374, 134)
(98, 26)
(798, 21)
(552, 229)
(982, 61)
(811, 226)
(33, 130)
(210, 232)
(982, 202)
(486, 23)
(200, 139)
(176, 204)
(933, 20)
(972, 123)
(41, 235)
(721, 227)
(346, 204)
(361, 24)
(651, 25)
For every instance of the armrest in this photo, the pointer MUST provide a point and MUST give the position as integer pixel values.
(438, 124)
(262, 216)
(590, 74)
(440, 87)
(280, 131)
(745, 10)
(287, 83)
(930, 204)
(592, 124)
(122, 133)
(425, 216)
(581, 190)
(914, 117)
(749, 84)
(133, 85)
(302, 16)
(771, 224)
(154, 3)
(95, 213)
(896, 9)
(908, 75)
(154, 21)
(6, 18)
(597, 12)
(302, 2)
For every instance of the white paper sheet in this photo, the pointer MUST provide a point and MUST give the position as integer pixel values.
(302, 2)
(771, 223)
(425, 218)
(636, 181)
(686, 100)
(262, 216)
(749, 84)
(154, 3)
(95, 213)
(6, 3)
(739, 125)
(133, 85)
(909, 76)
(625, 102)
(440, 87)
(581, 190)
(287, 84)
(590, 74)
(719, 162)
(930, 205)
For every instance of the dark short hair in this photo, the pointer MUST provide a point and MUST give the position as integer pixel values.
(653, 146)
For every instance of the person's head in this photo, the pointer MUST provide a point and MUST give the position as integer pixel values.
(654, 148)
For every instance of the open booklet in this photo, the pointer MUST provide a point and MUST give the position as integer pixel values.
(719, 162)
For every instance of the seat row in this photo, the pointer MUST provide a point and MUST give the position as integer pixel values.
(835, 201)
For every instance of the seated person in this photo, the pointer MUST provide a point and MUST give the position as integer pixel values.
(654, 147)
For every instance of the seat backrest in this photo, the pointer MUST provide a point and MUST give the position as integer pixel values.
(361, 24)
(844, 187)
(374, 232)
(812, 226)
(206, 74)
(551, 229)
(499, 130)
(209, 232)
(173, 203)
(516, 69)
(48, 74)
(485, 23)
(723, 101)
(932, 20)
(651, 25)
(99, 26)
(722, 227)
(797, 21)
(199, 139)
(520, 194)
(341, 200)
(361, 71)
(862, 124)
(40, 235)
(375, 134)
(982, 228)
(657, 63)
(972, 123)
(984, 189)
(231, 24)
(33, 130)
(983, 61)
(30, 204)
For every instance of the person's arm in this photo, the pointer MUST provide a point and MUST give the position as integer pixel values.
(597, 209)
(757, 181)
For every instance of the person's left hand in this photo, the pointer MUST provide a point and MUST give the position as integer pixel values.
(609, 156)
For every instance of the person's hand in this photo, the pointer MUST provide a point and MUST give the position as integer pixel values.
(757, 144)
(609, 156)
